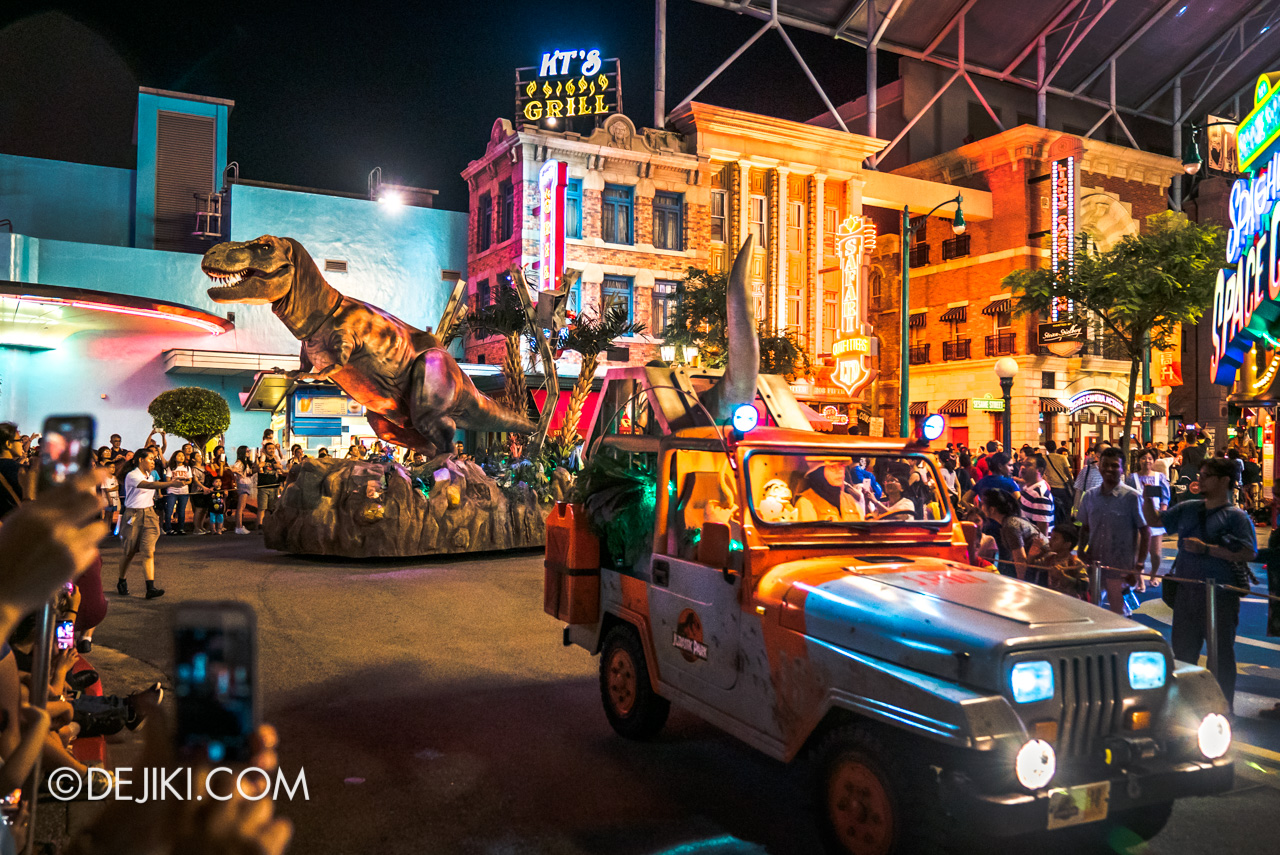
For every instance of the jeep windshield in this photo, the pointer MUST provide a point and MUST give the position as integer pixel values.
(824, 488)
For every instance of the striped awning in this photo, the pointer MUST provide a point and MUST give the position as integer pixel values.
(1157, 411)
(1052, 405)
(955, 407)
(955, 315)
(998, 307)
(919, 408)
(918, 318)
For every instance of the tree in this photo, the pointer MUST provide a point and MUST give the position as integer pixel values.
(505, 316)
(591, 336)
(195, 414)
(698, 320)
(1141, 289)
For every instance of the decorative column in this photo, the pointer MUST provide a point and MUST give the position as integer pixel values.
(777, 276)
(814, 279)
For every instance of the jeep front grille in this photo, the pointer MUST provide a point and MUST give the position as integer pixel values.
(1091, 701)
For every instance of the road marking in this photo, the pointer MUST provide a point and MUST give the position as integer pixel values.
(1255, 751)
(1157, 610)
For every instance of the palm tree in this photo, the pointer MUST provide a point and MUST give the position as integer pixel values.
(591, 336)
(506, 317)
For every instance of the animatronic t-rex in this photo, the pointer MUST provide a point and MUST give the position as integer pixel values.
(413, 391)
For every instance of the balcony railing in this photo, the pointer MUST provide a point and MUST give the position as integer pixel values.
(1001, 344)
(956, 247)
(955, 350)
(919, 255)
(919, 354)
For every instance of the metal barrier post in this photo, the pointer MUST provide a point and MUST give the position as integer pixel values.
(1095, 583)
(1211, 626)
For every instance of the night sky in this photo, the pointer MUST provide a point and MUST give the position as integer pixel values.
(325, 92)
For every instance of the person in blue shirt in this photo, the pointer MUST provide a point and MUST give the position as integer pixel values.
(999, 479)
(858, 472)
(1214, 538)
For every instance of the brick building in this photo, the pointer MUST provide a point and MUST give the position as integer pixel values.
(960, 312)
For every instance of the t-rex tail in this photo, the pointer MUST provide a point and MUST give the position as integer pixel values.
(477, 411)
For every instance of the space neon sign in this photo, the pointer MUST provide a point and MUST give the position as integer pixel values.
(855, 238)
(1245, 299)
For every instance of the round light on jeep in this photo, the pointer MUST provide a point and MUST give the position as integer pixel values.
(1035, 764)
(745, 418)
(1214, 736)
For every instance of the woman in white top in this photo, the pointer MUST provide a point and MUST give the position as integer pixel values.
(1141, 478)
(246, 483)
(177, 495)
(895, 506)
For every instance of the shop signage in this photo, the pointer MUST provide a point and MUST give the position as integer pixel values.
(1169, 360)
(989, 404)
(1066, 152)
(552, 180)
(1094, 398)
(1062, 331)
(831, 414)
(567, 84)
(1245, 298)
(855, 238)
(875, 427)
(320, 406)
(1222, 145)
(1261, 127)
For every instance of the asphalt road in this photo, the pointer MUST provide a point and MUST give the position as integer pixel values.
(433, 709)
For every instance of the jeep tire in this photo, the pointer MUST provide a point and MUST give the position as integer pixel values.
(633, 708)
(876, 795)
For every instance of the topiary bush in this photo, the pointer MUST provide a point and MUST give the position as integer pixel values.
(195, 414)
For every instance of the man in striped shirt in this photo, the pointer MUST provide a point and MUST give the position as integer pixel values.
(1036, 497)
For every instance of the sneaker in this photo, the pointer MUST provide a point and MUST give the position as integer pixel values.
(122, 588)
(242, 530)
(199, 532)
(152, 593)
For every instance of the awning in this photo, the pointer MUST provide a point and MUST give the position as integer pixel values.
(1052, 405)
(919, 408)
(1157, 411)
(955, 407)
(998, 307)
(917, 319)
(956, 315)
(816, 419)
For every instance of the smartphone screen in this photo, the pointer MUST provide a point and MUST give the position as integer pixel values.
(1152, 491)
(66, 448)
(66, 634)
(215, 678)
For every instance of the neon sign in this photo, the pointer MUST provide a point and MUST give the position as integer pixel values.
(1062, 253)
(567, 84)
(552, 180)
(1095, 398)
(855, 238)
(1261, 127)
(831, 414)
(1244, 299)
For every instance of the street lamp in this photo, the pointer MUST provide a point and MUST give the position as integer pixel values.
(904, 384)
(1191, 159)
(1006, 370)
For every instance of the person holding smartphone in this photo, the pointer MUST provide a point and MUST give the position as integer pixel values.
(141, 525)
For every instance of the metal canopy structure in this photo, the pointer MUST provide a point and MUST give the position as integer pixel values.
(1169, 61)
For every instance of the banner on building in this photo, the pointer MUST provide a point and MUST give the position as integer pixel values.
(1169, 360)
(1061, 332)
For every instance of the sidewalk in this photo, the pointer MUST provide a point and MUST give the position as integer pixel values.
(57, 821)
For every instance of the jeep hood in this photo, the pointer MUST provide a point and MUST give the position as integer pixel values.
(942, 618)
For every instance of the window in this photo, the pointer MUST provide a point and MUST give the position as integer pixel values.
(795, 228)
(919, 229)
(484, 220)
(575, 297)
(483, 297)
(956, 247)
(573, 208)
(668, 220)
(1003, 320)
(506, 212)
(615, 216)
(757, 222)
(1048, 379)
(719, 228)
(830, 319)
(664, 303)
(830, 225)
(794, 306)
(615, 291)
(877, 288)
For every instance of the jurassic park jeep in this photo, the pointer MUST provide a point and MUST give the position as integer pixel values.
(784, 595)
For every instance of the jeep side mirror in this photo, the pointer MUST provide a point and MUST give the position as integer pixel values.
(713, 546)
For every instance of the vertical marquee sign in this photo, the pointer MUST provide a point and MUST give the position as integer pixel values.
(855, 238)
(1067, 339)
(552, 180)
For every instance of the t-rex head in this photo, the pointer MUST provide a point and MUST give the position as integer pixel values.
(257, 271)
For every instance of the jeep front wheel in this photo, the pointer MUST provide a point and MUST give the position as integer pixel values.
(632, 707)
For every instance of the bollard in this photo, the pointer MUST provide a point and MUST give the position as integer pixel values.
(1095, 583)
(1211, 627)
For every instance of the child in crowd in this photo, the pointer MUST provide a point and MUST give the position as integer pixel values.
(109, 490)
(218, 506)
(1067, 573)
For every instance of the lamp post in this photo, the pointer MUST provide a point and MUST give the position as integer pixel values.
(904, 366)
(1191, 159)
(1006, 370)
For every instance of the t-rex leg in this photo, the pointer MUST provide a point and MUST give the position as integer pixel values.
(389, 431)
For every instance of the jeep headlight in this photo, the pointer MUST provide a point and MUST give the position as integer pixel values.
(1146, 669)
(1214, 736)
(1035, 764)
(1032, 681)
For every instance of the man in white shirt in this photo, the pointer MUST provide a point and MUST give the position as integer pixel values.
(140, 528)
